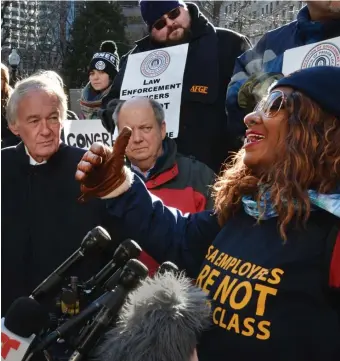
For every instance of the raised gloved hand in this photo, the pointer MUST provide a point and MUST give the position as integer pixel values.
(255, 88)
(101, 171)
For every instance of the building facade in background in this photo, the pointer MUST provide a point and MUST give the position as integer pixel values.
(135, 26)
(39, 30)
(19, 26)
(255, 18)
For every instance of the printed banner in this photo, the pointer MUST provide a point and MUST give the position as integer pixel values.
(326, 52)
(82, 133)
(158, 74)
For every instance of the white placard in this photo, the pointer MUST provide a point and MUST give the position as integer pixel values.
(326, 52)
(158, 74)
(82, 133)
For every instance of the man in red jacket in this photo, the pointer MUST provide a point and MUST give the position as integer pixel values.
(181, 182)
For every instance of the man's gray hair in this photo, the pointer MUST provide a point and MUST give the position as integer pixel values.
(47, 81)
(156, 107)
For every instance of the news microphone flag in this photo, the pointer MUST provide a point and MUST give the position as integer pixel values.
(13, 347)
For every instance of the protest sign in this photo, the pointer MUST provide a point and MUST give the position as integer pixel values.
(325, 52)
(158, 74)
(82, 133)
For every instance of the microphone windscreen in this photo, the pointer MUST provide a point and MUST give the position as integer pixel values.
(26, 317)
(161, 321)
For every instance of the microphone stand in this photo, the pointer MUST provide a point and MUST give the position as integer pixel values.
(133, 272)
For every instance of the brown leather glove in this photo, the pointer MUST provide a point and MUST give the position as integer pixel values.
(101, 170)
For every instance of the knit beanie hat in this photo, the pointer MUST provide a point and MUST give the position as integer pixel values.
(153, 10)
(106, 59)
(320, 83)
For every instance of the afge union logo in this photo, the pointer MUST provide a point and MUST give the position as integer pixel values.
(100, 65)
(325, 54)
(155, 63)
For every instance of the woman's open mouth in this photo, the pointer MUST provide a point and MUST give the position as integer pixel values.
(252, 139)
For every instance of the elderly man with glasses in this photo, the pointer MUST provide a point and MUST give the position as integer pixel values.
(209, 65)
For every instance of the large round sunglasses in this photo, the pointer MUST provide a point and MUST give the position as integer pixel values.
(172, 15)
(272, 104)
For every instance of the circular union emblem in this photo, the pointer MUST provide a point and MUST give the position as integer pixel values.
(155, 63)
(100, 65)
(325, 54)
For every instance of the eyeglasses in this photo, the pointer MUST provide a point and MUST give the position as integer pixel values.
(271, 105)
(172, 15)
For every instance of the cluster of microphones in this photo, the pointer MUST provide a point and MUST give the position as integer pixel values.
(27, 332)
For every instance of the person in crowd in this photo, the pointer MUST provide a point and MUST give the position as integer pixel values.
(103, 69)
(7, 137)
(268, 255)
(180, 181)
(317, 21)
(209, 65)
(42, 221)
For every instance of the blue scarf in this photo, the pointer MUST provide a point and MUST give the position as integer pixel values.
(327, 202)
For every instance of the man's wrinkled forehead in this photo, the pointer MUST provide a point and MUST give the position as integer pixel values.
(136, 106)
(34, 102)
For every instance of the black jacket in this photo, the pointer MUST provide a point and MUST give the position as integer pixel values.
(8, 139)
(210, 62)
(42, 221)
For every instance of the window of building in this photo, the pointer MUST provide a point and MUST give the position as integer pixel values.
(262, 11)
(266, 9)
(271, 7)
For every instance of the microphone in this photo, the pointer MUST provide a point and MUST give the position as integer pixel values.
(24, 320)
(133, 272)
(73, 322)
(161, 321)
(125, 251)
(98, 237)
(168, 267)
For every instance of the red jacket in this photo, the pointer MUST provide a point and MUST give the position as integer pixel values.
(179, 181)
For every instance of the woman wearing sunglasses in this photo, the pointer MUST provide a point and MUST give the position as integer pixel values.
(268, 257)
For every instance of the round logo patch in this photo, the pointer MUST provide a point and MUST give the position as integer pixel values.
(325, 54)
(155, 63)
(100, 65)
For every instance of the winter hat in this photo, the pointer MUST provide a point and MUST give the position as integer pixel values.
(320, 83)
(106, 59)
(153, 10)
